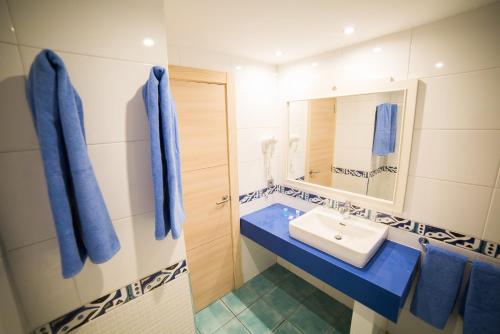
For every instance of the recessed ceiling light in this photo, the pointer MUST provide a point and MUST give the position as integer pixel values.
(348, 30)
(238, 67)
(377, 49)
(439, 64)
(149, 42)
(278, 53)
(314, 64)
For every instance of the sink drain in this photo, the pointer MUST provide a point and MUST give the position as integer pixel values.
(338, 237)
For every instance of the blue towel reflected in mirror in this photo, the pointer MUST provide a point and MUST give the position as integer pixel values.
(384, 138)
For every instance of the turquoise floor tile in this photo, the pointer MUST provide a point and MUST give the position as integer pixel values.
(233, 327)
(276, 273)
(309, 322)
(260, 318)
(260, 284)
(212, 317)
(281, 301)
(297, 287)
(238, 300)
(287, 328)
(327, 308)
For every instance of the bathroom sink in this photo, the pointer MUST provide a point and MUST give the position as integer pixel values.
(353, 239)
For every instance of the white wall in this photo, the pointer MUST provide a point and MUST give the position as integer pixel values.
(101, 44)
(298, 130)
(453, 180)
(257, 114)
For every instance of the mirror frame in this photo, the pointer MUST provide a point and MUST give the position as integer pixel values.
(396, 205)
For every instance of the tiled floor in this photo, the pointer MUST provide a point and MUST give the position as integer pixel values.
(276, 301)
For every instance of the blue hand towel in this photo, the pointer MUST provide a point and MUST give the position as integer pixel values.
(482, 303)
(438, 286)
(384, 139)
(82, 221)
(165, 156)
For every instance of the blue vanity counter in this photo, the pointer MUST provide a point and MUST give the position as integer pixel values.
(382, 285)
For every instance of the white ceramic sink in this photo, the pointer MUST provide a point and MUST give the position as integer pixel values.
(353, 240)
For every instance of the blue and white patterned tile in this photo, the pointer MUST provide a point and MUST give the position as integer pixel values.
(453, 238)
(360, 212)
(490, 248)
(352, 172)
(163, 276)
(393, 221)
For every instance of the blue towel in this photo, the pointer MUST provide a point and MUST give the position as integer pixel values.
(384, 138)
(82, 221)
(482, 303)
(438, 286)
(165, 156)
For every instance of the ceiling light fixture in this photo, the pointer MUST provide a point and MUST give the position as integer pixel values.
(238, 67)
(377, 49)
(348, 30)
(439, 64)
(314, 64)
(149, 42)
(278, 53)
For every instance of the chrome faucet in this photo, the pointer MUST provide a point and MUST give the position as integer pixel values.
(345, 209)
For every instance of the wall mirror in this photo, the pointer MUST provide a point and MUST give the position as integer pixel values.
(354, 145)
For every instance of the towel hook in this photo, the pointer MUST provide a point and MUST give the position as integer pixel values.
(423, 241)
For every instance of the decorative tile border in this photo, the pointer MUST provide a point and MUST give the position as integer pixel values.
(352, 172)
(388, 169)
(257, 194)
(452, 238)
(364, 174)
(88, 312)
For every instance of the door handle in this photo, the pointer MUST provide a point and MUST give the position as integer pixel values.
(224, 199)
(311, 172)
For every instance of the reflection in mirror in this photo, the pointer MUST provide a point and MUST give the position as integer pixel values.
(348, 143)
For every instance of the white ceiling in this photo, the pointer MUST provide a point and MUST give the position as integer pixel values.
(255, 29)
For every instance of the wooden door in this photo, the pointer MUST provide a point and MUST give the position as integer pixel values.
(203, 131)
(320, 141)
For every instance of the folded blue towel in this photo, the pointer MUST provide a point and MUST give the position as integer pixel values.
(438, 286)
(165, 156)
(482, 303)
(384, 138)
(82, 221)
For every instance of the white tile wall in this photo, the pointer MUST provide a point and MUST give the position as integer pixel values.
(360, 62)
(6, 28)
(455, 157)
(10, 316)
(16, 128)
(463, 43)
(468, 156)
(111, 29)
(101, 44)
(24, 208)
(44, 294)
(460, 101)
(124, 175)
(121, 106)
(492, 228)
(139, 256)
(456, 206)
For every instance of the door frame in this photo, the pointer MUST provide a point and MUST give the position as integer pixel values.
(226, 79)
